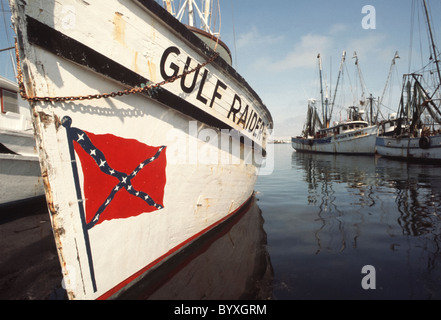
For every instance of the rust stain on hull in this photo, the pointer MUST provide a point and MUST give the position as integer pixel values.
(47, 187)
(45, 119)
(119, 29)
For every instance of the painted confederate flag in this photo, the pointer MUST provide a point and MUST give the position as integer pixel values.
(122, 177)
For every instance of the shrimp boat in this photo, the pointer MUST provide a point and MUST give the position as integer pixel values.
(414, 133)
(147, 136)
(354, 136)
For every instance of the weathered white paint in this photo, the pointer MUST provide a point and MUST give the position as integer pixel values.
(198, 194)
(409, 148)
(361, 141)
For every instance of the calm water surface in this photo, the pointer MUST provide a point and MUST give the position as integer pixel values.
(328, 216)
(318, 220)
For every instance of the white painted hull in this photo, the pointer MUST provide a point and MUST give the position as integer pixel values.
(20, 178)
(234, 254)
(204, 181)
(359, 142)
(409, 148)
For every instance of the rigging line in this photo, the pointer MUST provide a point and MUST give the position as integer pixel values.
(211, 16)
(412, 17)
(432, 40)
(433, 28)
(8, 38)
(234, 34)
(351, 88)
(220, 16)
(420, 34)
(415, 11)
(6, 49)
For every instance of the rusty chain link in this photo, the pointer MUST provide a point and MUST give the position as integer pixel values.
(144, 89)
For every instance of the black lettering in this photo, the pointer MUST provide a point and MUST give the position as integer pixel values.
(201, 87)
(173, 66)
(249, 119)
(217, 94)
(243, 117)
(195, 76)
(253, 122)
(262, 129)
(257, 125)
(232, 109)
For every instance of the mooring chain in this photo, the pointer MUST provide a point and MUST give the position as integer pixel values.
(143, 89)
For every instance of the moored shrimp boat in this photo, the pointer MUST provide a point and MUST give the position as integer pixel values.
(353, 136)
(147, 137)
(349, 137)
(414, 133)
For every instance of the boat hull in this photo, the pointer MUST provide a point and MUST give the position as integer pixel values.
(131, 179)
(235, 253)
(20, 178)
(413, 149)
(357, 142)
(19, 142)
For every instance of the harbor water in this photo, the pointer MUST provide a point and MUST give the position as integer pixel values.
(320, 227)
(329, 216)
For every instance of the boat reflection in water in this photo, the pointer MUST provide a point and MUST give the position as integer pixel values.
(327, 177)
(231, 262)
(369, 211)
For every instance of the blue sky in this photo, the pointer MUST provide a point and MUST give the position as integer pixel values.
(275, 45)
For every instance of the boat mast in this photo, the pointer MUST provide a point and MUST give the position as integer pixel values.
(324, 104)
(389, 76)
(190, 6)
(371, 110)
(432, 41)
(190, 13)
(207, 7)
(360, 76)
(343, 58)
(168, 5)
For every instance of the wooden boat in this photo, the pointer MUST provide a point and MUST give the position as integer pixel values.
(20, 178)
(234, 259)
(148, 138)
(415, 133)
(354, 136)
(349, 137)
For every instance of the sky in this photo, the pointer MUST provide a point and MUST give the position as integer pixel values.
(275, 45)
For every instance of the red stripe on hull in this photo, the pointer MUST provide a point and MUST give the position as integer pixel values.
(124, 283)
